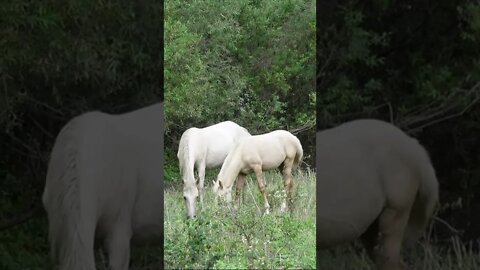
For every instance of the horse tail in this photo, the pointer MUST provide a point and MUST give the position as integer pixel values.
(425, 202)
(71, 241)
(299, 156)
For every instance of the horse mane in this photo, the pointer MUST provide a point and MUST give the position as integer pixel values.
(244, 129)
(184, 155)
(226, 167)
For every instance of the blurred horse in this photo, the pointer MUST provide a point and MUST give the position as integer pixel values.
(375, 183)
(104, 181)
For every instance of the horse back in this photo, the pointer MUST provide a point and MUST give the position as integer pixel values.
(210, 145)
(269, 149)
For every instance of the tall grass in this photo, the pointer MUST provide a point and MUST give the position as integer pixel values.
(247, 239)
(429, 254)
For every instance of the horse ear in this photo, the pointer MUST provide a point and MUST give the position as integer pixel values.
(220, 184)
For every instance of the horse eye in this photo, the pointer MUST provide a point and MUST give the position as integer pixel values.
(185, 198)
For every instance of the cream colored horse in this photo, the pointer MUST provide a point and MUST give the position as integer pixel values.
(375, 183)
(277, 149)
(202, 148)
(104, 181)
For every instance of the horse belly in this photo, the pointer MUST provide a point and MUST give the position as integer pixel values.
(215, 160)
(343, 223)
(272, 159)
(217, 154)
(272, 163)
(147, 222)
(349, 201)
(332, 232)
(147, 218)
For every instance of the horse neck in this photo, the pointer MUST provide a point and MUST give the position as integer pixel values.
(230, 169)
(187, 162)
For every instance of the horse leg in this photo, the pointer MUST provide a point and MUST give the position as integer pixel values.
(118, 247)
(392, 224)
(287, 183)
(201, 181)
(370, 238)
(239, 188)
(262, 186)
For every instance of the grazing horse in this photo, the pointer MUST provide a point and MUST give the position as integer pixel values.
(374, 183)
(202, 148)
(277, 149)
(104, 181)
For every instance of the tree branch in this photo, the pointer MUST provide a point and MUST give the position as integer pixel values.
(442, 112)
(307, 126)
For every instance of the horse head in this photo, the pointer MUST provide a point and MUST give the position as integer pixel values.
(190, 194)
(221, 191)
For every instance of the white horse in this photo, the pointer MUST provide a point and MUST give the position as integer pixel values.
(202, 148)
(104, 181)
(277, 149)
(375, 183)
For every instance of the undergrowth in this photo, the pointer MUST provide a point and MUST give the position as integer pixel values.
(246, 239)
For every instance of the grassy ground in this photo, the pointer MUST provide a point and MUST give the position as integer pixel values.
(219, 239)
(426, 255)
(25, 246)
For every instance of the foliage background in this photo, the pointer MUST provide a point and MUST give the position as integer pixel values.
(59, 59)
(252, 62)
(416, 64)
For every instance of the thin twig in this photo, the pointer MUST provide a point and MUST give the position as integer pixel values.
(310, 125)
(450, 227)
(446, 117)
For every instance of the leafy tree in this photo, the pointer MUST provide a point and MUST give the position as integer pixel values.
(59, 59)
(413, 63)
(247, 61)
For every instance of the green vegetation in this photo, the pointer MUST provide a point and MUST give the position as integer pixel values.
(59, 59)
(221, 239)
(25, 246)
(252, 62)
(432, 255)
(415, 64)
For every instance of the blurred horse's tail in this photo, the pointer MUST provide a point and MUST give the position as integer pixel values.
(425, 203)
(71, 234)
